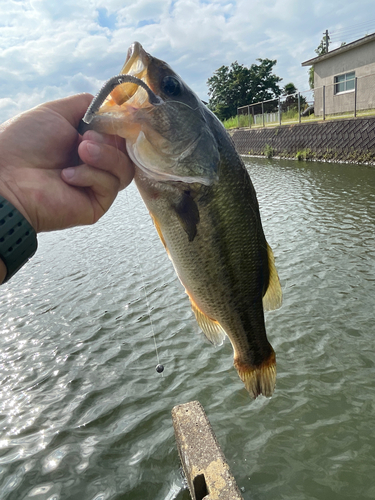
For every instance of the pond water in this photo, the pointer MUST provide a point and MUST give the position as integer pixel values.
(85, 415)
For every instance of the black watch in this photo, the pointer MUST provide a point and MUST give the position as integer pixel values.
(17, 238)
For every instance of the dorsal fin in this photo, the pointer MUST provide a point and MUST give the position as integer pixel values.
(273, 297)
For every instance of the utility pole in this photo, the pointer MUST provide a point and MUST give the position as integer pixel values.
(327, 40)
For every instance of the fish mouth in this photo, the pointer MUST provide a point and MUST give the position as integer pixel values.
(136, 64)
(131, 105)
(127, 91)
(137, 61)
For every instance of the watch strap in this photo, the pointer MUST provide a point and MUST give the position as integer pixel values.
(18, 240)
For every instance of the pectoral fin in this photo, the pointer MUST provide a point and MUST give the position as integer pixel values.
(272, 299)
(188, 215)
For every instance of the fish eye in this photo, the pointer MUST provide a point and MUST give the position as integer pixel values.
(171, 86)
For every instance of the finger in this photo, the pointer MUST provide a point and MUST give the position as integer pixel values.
(72, 108)
(102, 187)
(111, 140)
(108, 158)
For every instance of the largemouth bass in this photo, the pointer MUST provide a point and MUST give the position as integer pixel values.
(203, 205)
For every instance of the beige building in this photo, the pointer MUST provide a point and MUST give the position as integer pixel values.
(344, 78)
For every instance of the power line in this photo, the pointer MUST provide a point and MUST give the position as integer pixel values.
(353, 27)
(352, 32)
(349, 34)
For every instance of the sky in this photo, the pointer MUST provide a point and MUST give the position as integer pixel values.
(54, 48)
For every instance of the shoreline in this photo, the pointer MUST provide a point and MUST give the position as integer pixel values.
(340, 141)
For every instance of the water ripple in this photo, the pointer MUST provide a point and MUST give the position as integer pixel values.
(83, 413)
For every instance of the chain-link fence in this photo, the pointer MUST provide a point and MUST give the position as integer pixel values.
(342, 99)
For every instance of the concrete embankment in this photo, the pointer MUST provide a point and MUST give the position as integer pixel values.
(349, 140)
(206, 470)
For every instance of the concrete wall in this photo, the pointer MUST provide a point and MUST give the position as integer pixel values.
(339, 140)
(360, 59)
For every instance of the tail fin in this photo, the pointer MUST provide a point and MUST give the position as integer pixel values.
(258, 379)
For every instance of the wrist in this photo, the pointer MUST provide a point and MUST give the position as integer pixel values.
(10, 195)
(13, 171)
(17, 240)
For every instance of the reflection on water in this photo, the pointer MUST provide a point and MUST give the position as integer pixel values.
(84, 413)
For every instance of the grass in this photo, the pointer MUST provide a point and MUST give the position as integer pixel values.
(290, 117)
(304, 154)
(235, 122)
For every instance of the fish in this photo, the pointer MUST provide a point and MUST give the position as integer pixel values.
(203, 205)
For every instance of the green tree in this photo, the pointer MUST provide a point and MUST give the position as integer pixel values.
(320, 50)
(322, 47)
(289, 89)
(311, 77)
(291, 101)
(232, 87)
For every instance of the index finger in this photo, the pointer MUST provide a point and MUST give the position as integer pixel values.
(72, 108)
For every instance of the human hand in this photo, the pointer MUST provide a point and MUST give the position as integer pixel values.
(52, 175)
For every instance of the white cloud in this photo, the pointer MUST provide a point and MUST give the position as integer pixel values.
(49, 49)
(57, 10)
(142, 11)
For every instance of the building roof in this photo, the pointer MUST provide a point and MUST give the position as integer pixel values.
(340, 50)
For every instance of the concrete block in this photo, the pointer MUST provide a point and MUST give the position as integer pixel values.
(206, 470)
(340, 137)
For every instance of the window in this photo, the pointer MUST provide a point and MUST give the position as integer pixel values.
(344, 83)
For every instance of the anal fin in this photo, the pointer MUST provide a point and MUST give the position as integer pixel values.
(211, 328)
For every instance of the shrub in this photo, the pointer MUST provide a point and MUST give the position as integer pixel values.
(268, 151)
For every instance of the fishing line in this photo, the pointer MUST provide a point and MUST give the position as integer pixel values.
(96, 103)
(118, 157)
(159, 367)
